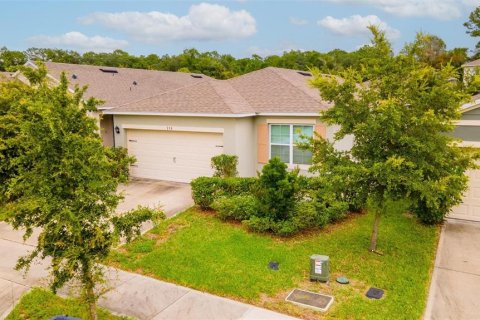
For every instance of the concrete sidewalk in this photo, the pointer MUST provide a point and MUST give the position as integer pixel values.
(455, 289)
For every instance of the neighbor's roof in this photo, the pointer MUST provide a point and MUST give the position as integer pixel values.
(474, 63)
(119, 88)
(270, 90)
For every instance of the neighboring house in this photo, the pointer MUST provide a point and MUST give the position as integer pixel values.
(173, 122)
(468, 129)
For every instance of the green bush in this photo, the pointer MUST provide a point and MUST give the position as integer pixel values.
(277, 191)
(121, 162)
(259, 224)
(225, 165)
(205, 190)
(238, 208)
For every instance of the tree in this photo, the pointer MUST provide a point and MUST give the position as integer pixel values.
(400, 120)
(473, 27)
(58, 177)
(427, 48)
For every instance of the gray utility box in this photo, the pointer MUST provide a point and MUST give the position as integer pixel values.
(319, 268)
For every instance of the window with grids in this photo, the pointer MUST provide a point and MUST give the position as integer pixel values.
(283, 141)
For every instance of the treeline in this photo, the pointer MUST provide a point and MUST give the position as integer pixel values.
(428, 48)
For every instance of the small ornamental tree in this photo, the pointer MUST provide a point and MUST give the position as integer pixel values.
(400, 120)
(57, 176)
(277, 190)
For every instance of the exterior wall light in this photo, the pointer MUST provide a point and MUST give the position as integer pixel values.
(117, 130)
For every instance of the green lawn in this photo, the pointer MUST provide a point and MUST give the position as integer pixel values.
(40, 304)
(196, 249)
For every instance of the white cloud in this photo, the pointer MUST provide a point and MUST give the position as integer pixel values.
(203, 22)
(79, 41)
(298, 21)
(356, 25)
(439, 9)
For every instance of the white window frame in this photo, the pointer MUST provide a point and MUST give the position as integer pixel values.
(290, 145)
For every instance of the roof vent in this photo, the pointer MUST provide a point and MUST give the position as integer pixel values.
(108, 70)
(74, 76)
(197, 76)
(304, 73)
(134, 83)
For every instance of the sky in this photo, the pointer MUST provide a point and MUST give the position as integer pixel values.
(238, 27)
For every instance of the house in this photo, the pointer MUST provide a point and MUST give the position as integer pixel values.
(173, 122)
(468, 129)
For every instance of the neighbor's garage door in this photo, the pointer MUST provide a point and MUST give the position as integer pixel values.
(172, 155)
(470, 208)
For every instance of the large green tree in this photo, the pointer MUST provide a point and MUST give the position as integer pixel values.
(57, 176)
(473, 28)
(400, 120)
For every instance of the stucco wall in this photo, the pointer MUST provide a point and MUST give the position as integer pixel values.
(106, 129)
(237, 133)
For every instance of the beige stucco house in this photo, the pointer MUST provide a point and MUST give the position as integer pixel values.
(173, 123)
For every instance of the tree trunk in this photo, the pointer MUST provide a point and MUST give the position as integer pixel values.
(376, 223)
(92, 304)
(89, 291)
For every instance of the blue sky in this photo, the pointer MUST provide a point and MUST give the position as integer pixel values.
(239, 27)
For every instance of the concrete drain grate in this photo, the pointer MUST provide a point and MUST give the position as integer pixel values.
(316, 301)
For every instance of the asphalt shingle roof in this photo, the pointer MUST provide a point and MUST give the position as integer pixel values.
(270, 90)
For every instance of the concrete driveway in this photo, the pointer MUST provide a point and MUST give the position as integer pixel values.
(455, 288)
(171, 197)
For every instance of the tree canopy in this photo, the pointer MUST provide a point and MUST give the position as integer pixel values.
(400, 120)
(210, 63)
(56, 175)
(473, 28)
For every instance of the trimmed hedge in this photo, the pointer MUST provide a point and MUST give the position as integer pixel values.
(237, 208)
(205, 190)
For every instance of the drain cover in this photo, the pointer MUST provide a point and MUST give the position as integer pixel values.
(316, 301)
(273, 265)
(343, 280)
(374, 293)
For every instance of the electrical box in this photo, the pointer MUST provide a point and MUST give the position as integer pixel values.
(319, 268)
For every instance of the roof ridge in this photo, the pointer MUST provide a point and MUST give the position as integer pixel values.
(125, 68)
(223, 98)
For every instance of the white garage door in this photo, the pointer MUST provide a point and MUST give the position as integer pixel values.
(172, 155)
(470, 208)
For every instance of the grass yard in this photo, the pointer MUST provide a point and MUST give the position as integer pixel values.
(197, 250)
(40, 304)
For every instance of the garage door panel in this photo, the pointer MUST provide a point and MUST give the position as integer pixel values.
(171, 155)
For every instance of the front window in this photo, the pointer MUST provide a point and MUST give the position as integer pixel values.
(283, 141)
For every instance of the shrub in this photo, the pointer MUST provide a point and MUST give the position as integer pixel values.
(122, 161)
(277, 190)
(205, 190)
(259, 224)
(225, 165)
(236, 208)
